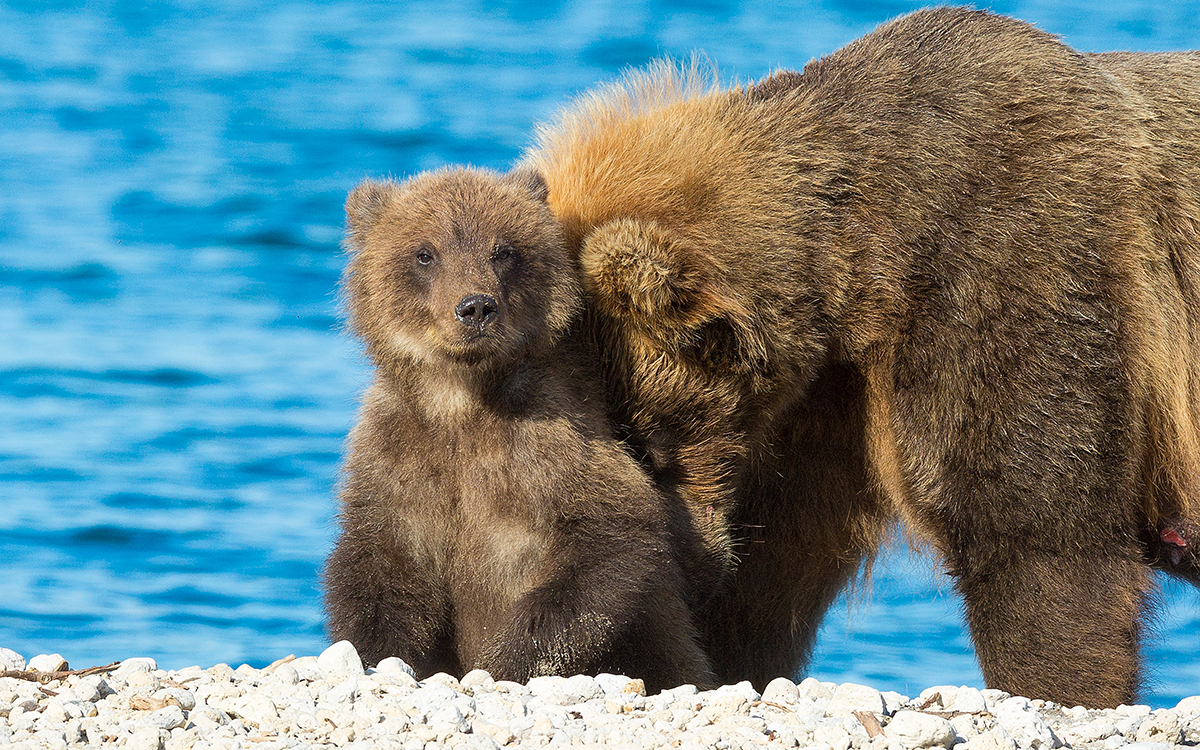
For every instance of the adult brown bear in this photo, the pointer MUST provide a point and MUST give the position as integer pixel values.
(947, 273)
(489, 518)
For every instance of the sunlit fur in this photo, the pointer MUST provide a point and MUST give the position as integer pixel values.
(948, 274)
(489, 518)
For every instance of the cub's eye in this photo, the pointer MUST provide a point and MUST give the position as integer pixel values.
(502, 251)
(424, 256)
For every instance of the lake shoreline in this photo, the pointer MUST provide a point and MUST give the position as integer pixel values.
(331, 700)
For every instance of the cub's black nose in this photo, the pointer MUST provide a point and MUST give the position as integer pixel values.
(477, 310)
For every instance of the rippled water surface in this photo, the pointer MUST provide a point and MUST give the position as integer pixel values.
(174, 388)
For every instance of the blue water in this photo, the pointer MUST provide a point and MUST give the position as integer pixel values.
(174, 388)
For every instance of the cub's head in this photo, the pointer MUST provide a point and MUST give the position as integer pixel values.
(456, 265)
(655, 282)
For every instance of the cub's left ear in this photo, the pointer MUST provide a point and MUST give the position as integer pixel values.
(364, 207)
(529, 179)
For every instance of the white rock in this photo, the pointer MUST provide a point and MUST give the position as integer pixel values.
(208, 718)
(450, 715)
(1148, 746)
(1128, 725)
(849, 698)
(968, 700)
(915, 729)
(945, 693)
(993, 696)
(130, 667)
(546, 685)
(346, 692)
(52, 739)
(581, 688)
(1162, 726)
(964, 726)
(892, 701)
(396, 665)
(478, 679)
(47, 663)
(1023, 724)
(185, 699)
(340, 659)
(256, 708)
(145, 738)
(166, 718)
(10, 659)
(834, 735)
(1190, 705)
(781, 690)
(54, 713)
(143, 682)
(743, 688)
(287, 674)
(612, 683)
(89, 690)
(1093, 731)
(441, 678)
(993, 739)
(810, 687)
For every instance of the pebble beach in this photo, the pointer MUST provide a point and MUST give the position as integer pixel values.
(330, 700)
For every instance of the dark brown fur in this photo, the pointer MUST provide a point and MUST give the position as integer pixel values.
(489, 519)
(947, 273)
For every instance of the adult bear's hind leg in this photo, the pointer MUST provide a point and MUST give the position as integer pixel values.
(1058, 626)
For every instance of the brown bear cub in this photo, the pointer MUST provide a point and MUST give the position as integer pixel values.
(950, 273)
(489, 518)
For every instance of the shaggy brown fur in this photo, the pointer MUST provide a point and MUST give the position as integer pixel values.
(489, 519)
(948, 273)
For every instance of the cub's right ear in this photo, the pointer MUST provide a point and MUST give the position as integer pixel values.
(363, 208)
(529, 179)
